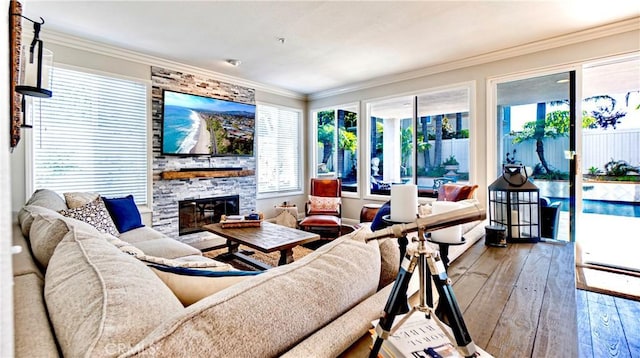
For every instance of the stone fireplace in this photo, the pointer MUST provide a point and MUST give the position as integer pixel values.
(195, 213)
(168, 191)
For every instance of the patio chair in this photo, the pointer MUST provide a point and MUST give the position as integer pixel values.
(549, 218)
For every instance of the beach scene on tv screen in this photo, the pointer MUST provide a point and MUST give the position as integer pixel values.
(206, 126)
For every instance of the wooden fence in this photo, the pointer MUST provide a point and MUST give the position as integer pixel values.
(598, 147)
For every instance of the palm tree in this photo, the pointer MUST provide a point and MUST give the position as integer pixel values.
(326, 133)
(437, 160)
(424, 143)
(605, 113)
(538, 134)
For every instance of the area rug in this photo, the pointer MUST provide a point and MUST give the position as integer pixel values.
(270, 259)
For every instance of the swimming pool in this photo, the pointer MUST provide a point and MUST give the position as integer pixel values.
(604, 207)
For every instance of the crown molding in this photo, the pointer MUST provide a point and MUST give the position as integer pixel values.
(632, 24)
(117, 52)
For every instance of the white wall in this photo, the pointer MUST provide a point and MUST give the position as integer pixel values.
(565, 55)
(74, 56)
(611, 45)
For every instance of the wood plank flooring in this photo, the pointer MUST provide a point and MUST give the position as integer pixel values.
(515, 300)
(608, 326)
(522, 301)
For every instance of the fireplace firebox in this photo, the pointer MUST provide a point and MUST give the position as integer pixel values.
(195, 213)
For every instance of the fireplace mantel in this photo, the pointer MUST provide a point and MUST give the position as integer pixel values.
(196, 173)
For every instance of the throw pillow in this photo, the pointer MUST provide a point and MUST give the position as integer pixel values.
(192, 285)
(150, 259)
(322, 203)
(94, 213)
(97, 297)
(48, 199)
(124, 212)
(377, 222)
(78, 199)
(47, 230)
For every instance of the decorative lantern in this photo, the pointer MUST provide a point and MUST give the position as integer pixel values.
(514, 203)
(35, 66)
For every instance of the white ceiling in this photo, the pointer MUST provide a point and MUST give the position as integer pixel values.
(328, 44)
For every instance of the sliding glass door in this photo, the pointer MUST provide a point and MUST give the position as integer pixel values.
(611, 164)
(534, 118)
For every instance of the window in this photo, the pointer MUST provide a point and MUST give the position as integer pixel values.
(92, 136)
(279, 149)
(438, 150)
(391, 143)
(337, 145)
(443, 150)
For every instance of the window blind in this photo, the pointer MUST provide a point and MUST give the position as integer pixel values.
(92, 136)
(279, 149)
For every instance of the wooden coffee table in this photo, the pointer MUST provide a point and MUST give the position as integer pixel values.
(267, 237)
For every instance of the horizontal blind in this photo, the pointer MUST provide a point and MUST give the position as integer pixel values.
(279, 149)
(92, 136)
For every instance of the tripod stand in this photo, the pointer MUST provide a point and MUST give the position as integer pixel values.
(430, 266)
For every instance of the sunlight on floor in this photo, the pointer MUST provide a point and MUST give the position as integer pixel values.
(607, 240)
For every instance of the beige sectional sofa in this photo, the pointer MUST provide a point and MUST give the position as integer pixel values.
(78, 292)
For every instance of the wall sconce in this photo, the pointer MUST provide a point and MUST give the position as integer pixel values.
(34, 78)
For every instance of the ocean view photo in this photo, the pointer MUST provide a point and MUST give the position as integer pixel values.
(196, 125)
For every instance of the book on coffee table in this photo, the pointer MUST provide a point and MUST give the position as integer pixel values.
(419, 337)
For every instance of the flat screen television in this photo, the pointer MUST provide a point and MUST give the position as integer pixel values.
(197, 125)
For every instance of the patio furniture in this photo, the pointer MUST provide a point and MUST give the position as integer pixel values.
(549, 218)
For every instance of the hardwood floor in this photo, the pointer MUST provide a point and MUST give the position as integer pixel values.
(608, 326)
(515, 300)
(521, 301)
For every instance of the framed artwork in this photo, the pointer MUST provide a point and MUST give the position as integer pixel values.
(15, 34)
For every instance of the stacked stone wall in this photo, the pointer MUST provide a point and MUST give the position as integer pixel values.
(167, 193)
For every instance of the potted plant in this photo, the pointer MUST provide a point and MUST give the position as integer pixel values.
(451, 165)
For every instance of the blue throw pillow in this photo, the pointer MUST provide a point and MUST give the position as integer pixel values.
(124, 213)
(377, 222)
(188, 271)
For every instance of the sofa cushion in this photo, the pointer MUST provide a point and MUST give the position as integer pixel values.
(48, 199)
(78, 199)
(191, 285)
(41, 200)
(98, 296)
(23, 262)
(33, 334)
(389, 253)
(94, 213)
(124, 212)
(166, 247)
(26, 214)
(140, 255)
(389, 261)
(141, 234)
(47, 230)
(266, 315)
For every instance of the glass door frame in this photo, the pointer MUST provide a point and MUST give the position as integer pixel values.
(575, 135)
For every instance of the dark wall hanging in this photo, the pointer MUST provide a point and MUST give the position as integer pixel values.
(15, 34)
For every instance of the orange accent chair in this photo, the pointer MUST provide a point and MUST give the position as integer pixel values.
(323, 210)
